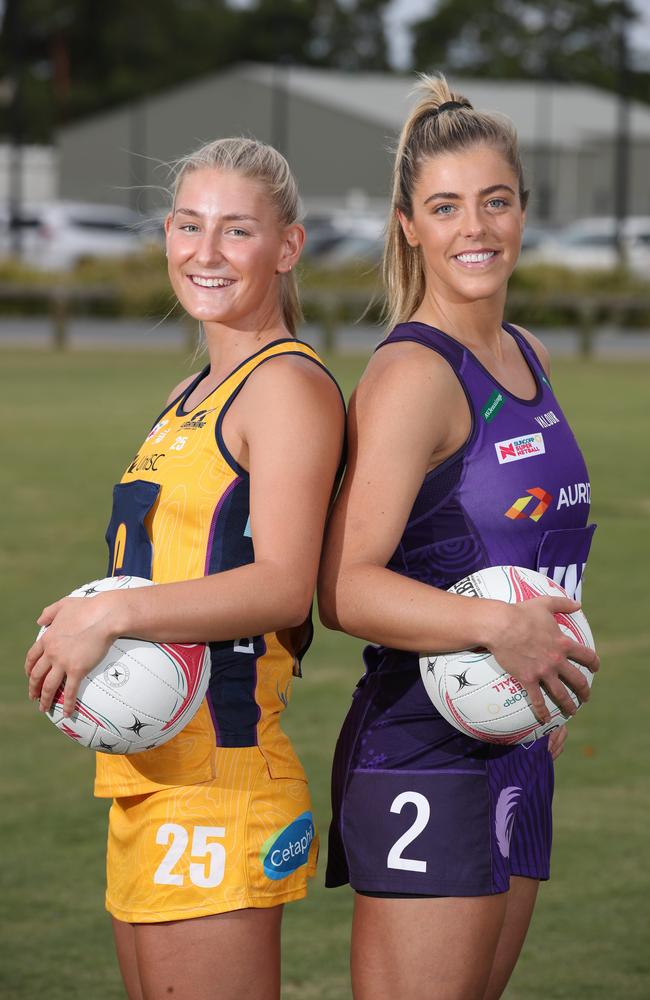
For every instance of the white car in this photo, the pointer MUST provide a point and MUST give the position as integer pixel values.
(57, 235)
(591, 244)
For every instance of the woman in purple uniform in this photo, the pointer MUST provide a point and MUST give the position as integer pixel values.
(460, 458)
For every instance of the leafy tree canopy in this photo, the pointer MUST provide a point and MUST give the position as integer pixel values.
(78, 56)
(576, 40)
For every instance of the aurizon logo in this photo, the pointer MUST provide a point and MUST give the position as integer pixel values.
(518, 509)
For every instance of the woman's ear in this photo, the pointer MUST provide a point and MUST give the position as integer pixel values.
(292, 244)
(408, 229)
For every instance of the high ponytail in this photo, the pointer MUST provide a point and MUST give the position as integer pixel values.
(442, 121)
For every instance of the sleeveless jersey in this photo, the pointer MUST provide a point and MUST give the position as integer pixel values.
(516, 493)
(180, 512)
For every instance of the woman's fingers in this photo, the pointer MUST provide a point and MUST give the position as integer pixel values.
(561, 605)
(71, 690)
(54, 678)
(34, 654)
(48, 614)
(556, 741)
(584, 655)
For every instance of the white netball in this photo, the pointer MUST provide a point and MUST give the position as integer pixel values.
(472, 691)
(140, 694)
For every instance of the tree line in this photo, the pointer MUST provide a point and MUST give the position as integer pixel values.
(62, 59)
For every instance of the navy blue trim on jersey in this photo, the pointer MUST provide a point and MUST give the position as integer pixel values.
(130, 550)
(232, 686)
(233, 679)
(221, 444)
(175, 401)
(181, 412)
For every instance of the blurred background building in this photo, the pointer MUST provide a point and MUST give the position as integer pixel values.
(96, 100)
(338, 130)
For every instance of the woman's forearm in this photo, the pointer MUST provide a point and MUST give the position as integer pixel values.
(377, 604)
(249, 600)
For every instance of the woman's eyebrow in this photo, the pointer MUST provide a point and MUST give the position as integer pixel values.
(452, 196)
(230, 217)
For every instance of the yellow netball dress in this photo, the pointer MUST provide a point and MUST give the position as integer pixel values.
(220, 817)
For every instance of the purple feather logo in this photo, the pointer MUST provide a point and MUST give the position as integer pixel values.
(504, 817)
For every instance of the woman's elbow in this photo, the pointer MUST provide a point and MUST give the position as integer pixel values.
(327, 602)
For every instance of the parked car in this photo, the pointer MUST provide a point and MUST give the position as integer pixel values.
(591, 244)
(57, 235)
(344, 237)
(533, 238)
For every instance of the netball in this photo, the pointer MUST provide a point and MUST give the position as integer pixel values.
(472, 691)
(140, 694)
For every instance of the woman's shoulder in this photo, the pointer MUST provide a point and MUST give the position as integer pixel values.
(403, 367)
(538, 347)
(291, 381)
(179, 389)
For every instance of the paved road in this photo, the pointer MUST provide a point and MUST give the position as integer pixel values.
(87, 333)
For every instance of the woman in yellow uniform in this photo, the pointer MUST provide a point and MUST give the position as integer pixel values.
(223, 506)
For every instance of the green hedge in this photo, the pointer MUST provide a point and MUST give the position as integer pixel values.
(139, 287)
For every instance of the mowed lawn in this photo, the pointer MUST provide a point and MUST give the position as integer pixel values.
(69, 425)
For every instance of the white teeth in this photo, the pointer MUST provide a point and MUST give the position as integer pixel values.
(211, 282)
(475, 258)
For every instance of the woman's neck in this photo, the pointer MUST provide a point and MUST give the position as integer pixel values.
(228, 347)
(474, 323)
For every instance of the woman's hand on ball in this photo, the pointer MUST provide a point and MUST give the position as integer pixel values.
(77, 637)
(556, 741)
(529, 644)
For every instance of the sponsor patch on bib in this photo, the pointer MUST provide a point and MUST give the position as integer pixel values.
(515, 449)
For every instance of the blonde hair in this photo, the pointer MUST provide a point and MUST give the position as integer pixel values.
(432, 129)
(256, 161)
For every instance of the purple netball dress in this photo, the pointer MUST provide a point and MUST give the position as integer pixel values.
(418, 807)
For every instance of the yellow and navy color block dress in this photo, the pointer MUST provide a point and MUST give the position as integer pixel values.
(219, 818)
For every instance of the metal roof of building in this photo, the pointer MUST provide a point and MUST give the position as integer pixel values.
(572, 114)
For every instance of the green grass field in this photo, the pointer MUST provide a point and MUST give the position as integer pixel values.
(69, 423)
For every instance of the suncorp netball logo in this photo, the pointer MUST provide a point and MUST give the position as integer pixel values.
(514, 449)
(288, 849)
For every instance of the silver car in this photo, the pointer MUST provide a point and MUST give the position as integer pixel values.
(57, 235)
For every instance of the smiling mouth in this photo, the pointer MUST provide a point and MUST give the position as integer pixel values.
(475, 256)
(197, 279)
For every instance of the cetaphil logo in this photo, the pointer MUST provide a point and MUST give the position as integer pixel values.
(571, 496)
(288, 849)
(521, 507)
(492, 406)
(515, 449)
(504, 817)
(197, 421)
(547, 419)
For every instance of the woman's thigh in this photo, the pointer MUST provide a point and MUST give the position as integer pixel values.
(519, 910)
(208, 957)
(424, 949)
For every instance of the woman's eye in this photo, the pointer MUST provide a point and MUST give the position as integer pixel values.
(238, 232)
(444, 210)
(189, 227)
(497, 203)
